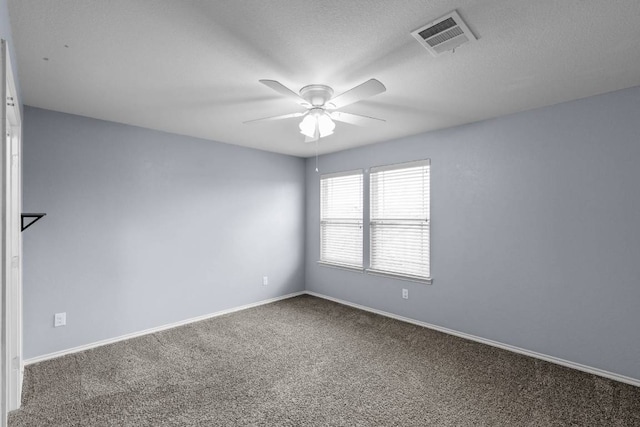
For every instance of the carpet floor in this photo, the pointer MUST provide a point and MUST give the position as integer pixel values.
(306, 361)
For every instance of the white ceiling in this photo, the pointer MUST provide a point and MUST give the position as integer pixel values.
(192, 67)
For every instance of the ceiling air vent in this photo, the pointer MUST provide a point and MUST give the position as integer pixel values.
(444, 34)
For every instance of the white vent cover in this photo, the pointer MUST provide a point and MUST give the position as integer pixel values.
(444, 34)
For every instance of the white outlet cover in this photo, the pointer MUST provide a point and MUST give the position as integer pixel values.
(59, 319)
(265, 280)
(405, 293)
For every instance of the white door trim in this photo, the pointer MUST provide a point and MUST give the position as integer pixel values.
(11, 243)
(15, 242)
(4, 365)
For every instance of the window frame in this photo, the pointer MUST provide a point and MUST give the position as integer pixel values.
(360, 221)
(378, 221)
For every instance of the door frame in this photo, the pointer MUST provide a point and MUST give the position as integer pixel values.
(11, 245)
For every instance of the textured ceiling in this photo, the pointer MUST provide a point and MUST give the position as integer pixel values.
(192, 67)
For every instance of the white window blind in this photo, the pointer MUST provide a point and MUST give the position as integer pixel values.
(400, 219)
(341, 219)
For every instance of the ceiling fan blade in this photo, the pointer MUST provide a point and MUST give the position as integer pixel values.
(354, 119)
(283, 90)
(358, 93)
(285, 116)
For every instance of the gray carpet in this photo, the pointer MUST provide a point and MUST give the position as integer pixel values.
(310, 362)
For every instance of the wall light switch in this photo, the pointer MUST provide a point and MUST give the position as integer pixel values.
(59, 319)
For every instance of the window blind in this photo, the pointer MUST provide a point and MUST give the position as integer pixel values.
(400, 219)
(341, 218)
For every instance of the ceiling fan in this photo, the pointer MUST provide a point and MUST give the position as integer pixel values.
(321, 107)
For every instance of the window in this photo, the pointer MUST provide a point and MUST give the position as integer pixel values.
(341, 219)
(400, 220)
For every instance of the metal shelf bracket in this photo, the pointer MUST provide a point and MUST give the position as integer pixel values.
(34, 216)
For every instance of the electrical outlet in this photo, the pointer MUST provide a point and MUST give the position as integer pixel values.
(59, 319)
(405, 293)
(265, 280)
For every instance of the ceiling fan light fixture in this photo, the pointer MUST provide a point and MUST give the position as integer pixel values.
(308, 125)
(317, 123)
(325, 125)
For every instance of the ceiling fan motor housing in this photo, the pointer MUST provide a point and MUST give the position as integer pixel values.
(316, 95)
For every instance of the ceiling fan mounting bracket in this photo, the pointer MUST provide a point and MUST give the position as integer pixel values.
(316, 95)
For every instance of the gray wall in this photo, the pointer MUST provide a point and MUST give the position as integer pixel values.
(535, 232)
(145, 228)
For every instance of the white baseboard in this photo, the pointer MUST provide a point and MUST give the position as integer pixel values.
(552, 359)
(156, 329)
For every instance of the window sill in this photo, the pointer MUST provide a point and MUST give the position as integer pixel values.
(341, 266)
(426, 281)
